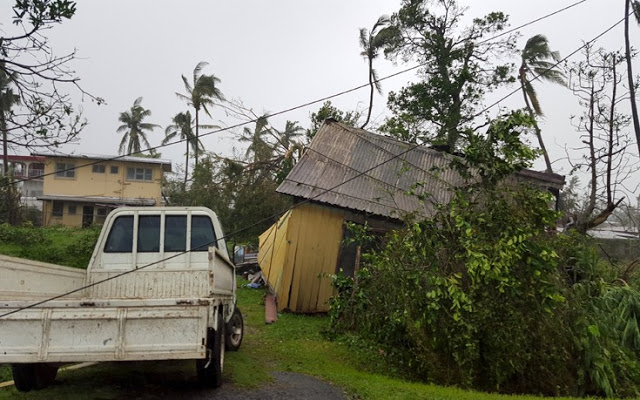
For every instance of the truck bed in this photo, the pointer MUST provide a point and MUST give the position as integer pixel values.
(109, 330)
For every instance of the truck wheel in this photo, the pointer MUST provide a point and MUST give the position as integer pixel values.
(24, 376)
(210, 370)
(45, 375)
(28, 377)
(234, 331)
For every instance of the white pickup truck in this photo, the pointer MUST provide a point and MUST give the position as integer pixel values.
(159, 286)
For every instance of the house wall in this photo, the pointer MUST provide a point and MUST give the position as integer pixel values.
(87, 182)
(298, 253)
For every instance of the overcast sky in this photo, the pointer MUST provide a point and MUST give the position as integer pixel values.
(276, 54)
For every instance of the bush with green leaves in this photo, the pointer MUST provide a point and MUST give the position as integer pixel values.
(486, 294)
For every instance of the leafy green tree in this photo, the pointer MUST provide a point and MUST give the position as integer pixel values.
(371, 42)
(628, 4)
(459, 67)
(538, 61)
(201, 94)
(134, 128)
(328, 110)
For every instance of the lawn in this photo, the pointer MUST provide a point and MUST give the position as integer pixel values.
(295, 343)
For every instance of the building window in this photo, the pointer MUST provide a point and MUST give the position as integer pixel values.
(140, 174)
(113, 169)
(72, 210)
(65, 170)
(57, 208)
(98, 169)
(101, 212)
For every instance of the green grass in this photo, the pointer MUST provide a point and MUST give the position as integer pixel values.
(57, 244)
(295, 343)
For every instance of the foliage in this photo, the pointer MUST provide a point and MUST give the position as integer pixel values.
(371, 42)
(134, 129)
(329, 111)
(58, 245)
(244, 198)
(41, 113)
(458, 69)
(539, 62)
(484, 295)
(10, 206)
(201, 93)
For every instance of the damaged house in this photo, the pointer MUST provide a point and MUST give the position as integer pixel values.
(349, 175)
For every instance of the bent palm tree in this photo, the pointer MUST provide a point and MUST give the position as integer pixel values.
(257, 145)
(200, 95)
(371, 42)
(538, 62)
(134, 129)
(632, 89)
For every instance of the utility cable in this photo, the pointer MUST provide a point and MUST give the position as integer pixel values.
(305, 201)
(304, 105)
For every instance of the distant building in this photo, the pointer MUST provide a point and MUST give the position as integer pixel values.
(81, 189)
(28, 171)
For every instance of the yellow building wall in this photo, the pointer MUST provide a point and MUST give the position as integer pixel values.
(298, 253)
(89, 183)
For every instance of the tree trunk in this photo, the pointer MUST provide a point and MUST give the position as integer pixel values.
(632, 90)
(186, 166)
(196, 150)
(5, 151)
(547, 161)
(370, 94)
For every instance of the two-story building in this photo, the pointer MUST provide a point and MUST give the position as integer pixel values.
(28, 171)
(81, 189)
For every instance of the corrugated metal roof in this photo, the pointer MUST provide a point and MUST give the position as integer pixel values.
(359, 170)
(166, 164)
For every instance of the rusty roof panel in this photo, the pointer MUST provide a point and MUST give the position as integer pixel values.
(359, 170)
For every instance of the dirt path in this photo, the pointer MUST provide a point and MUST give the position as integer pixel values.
(286, 385)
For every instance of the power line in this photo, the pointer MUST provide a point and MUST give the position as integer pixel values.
(304, 105)
(307, 200)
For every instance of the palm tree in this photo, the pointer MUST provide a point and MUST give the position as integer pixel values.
(286, 137)
(539, 62)
(200, 94)
(371, 42)
(632, 90)
(134, 129)
(7, 100)
(182, 128)
(257, 145)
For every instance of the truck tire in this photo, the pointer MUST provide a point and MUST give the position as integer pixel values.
(210, 370)
(45, 375)
(234, 331)
(24, 376)
(35, 376)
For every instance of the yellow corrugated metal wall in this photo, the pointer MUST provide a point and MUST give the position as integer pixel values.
(298, 252)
